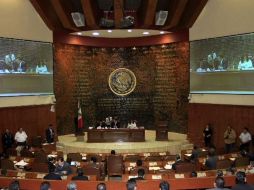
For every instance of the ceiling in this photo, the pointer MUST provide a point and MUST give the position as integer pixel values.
(113, 18)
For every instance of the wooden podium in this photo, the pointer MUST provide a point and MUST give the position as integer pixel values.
(162, 131)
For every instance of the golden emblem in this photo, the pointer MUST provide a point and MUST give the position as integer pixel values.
(122, 81)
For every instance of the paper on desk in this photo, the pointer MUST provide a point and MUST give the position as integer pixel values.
(187, 155)
(40, 176)
(154, 168)
(133, 164)
(201, 174)
(153, 164)
(179, 175)
(21, 163)
(156, 177)
(52, 156)
(168, 166)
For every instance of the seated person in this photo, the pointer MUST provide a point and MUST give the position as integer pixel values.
(245, 63)
(62, 167)
(195, 153)
(101, 186)
(51, 175)
(164, 185)
(141, 174)
(219, 184)
(14, 185)
(80, 175)
(211, 161)
(113, 152)
(132, 125)
(241, 182)
(139, 165)
(131, 184)
(178, 161)
(45, 185)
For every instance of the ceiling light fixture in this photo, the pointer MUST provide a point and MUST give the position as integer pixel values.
(162, 32)
(146, 33)
(129, 30)
(79, 33)
(109, 31)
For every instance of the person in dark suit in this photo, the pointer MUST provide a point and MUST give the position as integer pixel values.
(207, 134)
(51, 175)
(178, 161)
(7, 140)
(80, 175)
(211, 161)
(50, 134)
(141, 174)
(45, 185)
(164, 185)
(241, 182)
(62, 167)
(219, 184)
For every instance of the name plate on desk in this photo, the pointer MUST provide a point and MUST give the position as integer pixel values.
(178, 176)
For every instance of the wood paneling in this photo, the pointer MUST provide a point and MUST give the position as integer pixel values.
(219, 116)
(121, 42)
(33, 119)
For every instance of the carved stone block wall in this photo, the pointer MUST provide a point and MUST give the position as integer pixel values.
(162, 74)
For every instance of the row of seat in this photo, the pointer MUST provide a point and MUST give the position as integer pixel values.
(180, 184)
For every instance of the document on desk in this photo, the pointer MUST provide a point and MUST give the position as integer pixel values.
(21, 163)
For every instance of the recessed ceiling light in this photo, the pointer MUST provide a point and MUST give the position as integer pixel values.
(109, 31)
(129, 30)
(79, 33)
(145, 33)
(162, 32)
(95, 33)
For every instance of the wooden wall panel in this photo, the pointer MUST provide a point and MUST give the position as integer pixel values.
(33, 119)
(219, 116)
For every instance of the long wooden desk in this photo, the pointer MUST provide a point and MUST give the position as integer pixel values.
(116, 135)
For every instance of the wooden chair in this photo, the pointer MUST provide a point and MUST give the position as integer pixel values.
(223, 164)
(241, 161)
(12, 152)
(132, 158)
(170, 158)
(154, 158)
(39, 167)
(97, 156)
(26, 153)
(40, 157)
(7, 164)
(185, 167)
(93, 170)
(37, 141)
(75, 157)
(115, 165)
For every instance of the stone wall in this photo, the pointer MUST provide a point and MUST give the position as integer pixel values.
(162, 73)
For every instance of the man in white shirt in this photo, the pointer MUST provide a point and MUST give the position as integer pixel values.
(245, 138)
(20, 137)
